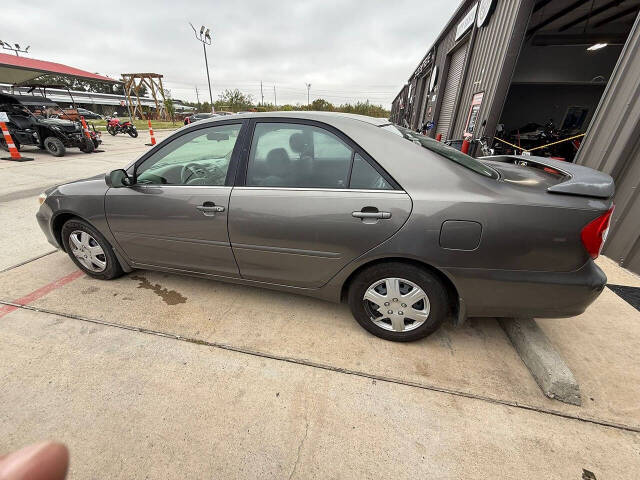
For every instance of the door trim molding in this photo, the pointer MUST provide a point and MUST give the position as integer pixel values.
(289, 251)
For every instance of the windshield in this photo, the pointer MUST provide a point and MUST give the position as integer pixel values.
(443, 150)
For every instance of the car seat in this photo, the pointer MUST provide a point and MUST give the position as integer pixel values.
(278, 166)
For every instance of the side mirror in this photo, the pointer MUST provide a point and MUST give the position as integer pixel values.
(118, 178)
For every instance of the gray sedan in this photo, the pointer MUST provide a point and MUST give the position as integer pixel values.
(408, 231)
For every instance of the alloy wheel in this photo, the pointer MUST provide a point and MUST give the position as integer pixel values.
(88, 251)
(396, 304)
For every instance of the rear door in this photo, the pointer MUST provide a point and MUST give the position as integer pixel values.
(308, 202)
(175, 216)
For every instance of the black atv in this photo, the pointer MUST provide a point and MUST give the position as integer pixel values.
(51, 134)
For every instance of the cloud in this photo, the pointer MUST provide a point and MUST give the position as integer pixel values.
(348, 50)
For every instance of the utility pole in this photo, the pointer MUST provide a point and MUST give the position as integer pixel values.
(261, 94)
(197, 95)
(205, 38)
(275, 102)
(308, 89)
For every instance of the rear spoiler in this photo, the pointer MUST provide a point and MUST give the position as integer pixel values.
(578, 180)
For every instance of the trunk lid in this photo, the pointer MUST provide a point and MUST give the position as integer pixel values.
(554, 176)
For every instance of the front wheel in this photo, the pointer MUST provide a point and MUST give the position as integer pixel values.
(111, 130)
(133, 132)
(398, 302)
(87, 145)
(89, 250)
(54, 146)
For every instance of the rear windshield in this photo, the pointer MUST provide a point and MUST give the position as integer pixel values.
(444, 150)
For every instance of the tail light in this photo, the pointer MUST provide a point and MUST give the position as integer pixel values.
(595, 233)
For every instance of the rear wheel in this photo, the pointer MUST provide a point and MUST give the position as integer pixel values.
(398, 302)
(54, 146)
(89, 250)
(133, 132)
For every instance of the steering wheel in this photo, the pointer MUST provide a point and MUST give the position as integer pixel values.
(192, 171)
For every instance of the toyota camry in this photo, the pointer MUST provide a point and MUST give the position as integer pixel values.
(408, 231)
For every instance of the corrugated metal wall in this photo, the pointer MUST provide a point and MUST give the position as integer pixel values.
(612, 145)
(450, 92)
(442, 49)
(486, 63)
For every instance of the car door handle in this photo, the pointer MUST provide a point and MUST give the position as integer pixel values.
(371, 215)
(209, 208)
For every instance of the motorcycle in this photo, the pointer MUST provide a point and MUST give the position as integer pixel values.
(114, 126)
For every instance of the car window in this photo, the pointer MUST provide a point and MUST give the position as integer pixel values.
(444, 150)
(296, 155)
(364, 176)
(200, 157)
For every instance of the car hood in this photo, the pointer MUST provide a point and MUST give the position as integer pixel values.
(95, 183)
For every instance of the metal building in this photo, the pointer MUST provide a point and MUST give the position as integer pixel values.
(507, 71)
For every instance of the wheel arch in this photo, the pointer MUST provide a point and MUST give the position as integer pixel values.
(58, 221)
(63, 217)
(456, 303)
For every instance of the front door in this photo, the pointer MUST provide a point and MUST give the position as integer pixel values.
(311, 203)
(175, 216)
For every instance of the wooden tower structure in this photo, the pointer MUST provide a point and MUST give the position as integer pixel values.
(153, 81)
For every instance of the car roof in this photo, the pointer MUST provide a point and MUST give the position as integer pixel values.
(404, 160)
(326, 117)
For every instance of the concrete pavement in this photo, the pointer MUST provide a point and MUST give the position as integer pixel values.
(134, 405)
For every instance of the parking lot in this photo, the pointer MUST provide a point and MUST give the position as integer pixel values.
(156, 374)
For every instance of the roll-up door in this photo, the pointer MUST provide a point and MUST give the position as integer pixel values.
(445, 120)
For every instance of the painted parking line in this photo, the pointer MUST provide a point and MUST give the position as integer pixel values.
(40, 292)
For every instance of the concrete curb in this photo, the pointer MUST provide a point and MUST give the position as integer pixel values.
(543, 361)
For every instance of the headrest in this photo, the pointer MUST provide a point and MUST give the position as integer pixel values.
(297, 142)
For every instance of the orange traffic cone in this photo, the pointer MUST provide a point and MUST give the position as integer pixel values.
(85, 129)
(15, 154)
(153, 139)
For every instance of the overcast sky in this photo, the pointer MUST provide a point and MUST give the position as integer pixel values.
(347, 50)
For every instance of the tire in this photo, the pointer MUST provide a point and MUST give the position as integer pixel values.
(427, 314)
(54, 146)
(133, 133)
(111, 130)
(110, 269)
(87, 145)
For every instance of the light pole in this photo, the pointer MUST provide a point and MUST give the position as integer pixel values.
(7, 46)
(308, 88)
(205, 38)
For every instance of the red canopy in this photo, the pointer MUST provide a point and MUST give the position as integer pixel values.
(16, 70)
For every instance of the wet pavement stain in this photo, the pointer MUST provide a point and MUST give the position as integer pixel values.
(170, 297)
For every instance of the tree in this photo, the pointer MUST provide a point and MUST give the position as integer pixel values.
(78, 84)
(365, 108)
(321, 104)
(234, 100)
(171, 109)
